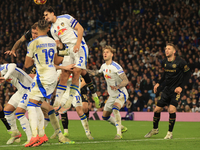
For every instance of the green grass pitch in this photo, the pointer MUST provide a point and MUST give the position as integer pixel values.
(186, 136)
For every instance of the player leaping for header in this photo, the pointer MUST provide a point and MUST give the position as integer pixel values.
(116, 81)
(67, 30)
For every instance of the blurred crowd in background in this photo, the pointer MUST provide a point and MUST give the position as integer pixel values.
(140, 32)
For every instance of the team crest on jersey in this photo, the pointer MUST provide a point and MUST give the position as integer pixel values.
(174, 66)
(109, 71)
(107, 76)
(62, 24)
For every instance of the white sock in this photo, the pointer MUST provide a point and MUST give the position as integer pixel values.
(94, 95)
(85, 124)
(117, 120)
(10, 117)
(111, 120)
(24, 124)
(40, 115)
(55, 123)
(73, 92)
(59, 93)
(46, 122)
(33, 119)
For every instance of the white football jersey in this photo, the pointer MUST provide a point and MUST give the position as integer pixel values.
(111, 74)
(43, 49)
(63, 29)
(16, 76)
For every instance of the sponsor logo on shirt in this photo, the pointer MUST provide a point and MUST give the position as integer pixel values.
(8, 80)
(107, 76)
(60, 32)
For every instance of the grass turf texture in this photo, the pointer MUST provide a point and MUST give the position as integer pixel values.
(185, 136)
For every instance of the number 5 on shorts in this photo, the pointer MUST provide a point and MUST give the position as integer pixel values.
(80, 61)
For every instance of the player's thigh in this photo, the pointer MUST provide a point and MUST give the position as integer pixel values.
(15, 99)
(77, 101)
(174, 99)
(82, 57)
(164, 100)
(120, 100)
(24, 101)
(109, 104)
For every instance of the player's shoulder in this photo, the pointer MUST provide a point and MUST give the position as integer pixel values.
(66, 16)
(179, 59)
(115, 65)
(33, 41)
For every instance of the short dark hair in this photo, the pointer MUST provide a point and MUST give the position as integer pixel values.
(34, 26)
(43, 24)
(48, 9)
(170, 44)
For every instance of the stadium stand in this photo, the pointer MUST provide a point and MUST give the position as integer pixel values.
(138, 30)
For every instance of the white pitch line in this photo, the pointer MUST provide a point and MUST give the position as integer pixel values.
(96, 142)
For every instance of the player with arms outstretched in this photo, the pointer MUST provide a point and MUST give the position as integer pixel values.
(116, 81)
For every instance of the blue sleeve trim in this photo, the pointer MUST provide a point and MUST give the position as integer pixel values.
(64, 16)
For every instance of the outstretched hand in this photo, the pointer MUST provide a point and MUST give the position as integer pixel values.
(178, 90)
(10, 53)
(69, 67)
(76, 48)
(114, 88)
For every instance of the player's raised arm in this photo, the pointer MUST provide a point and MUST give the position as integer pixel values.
(80, 31)
(16, 46)
(28, 36)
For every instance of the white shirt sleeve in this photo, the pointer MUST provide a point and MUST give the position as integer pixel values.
(10, 67)
(120, 71)
(69, 20)
(101, 69)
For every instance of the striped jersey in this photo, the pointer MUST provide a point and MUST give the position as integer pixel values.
(16, 76)
(111, 74)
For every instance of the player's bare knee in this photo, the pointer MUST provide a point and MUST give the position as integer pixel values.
(158, 109)
(79, 110)
(83, 72)
(19, 109)
(171, 110)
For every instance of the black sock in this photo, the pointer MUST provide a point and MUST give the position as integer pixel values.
(87, 115)
(5, 123)
(156, 120)
(4, 120)
(65, 121)
(172, 119)
(89, 83)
